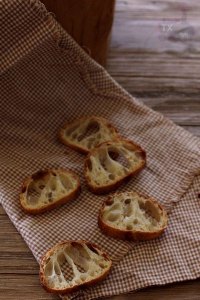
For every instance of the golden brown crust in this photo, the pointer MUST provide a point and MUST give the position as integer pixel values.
(68, 290)
(39, 174)
(80, 148)
(114, 185)
(131, 234)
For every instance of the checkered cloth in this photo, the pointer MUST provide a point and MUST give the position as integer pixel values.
(47, 79)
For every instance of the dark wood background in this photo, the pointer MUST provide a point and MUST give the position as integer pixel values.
(155, 55)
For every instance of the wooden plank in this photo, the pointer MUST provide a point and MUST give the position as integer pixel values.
(193, 129)
(182, 109)
(23, 287)
(152, 36)
(155, 73)
(157, 8)
(15, 256)
(157, 25)
(2, 211)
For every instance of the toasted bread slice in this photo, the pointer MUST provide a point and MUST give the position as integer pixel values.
(70, 265)
(48, 189)
(109, 164)
(132, 216)
(86, 133)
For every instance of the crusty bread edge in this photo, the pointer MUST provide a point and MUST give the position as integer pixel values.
(79, 148)
(131, 235)
(34, 211)
(80, 286)
(111, 187)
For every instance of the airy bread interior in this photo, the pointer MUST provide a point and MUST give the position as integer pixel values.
(87, 133)
(72, 264)
(111, 162)
(131, 211)
(47, 187)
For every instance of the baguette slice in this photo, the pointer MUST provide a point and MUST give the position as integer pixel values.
(48, 189)
(108, 165)
(132, 216)
(71, 265)
(86, 133)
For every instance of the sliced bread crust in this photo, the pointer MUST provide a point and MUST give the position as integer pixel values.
(132, 216)
(48, 189)
(112, 163)
(89, 265)
(85, 133)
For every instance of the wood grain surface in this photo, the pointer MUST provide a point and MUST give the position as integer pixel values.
(155, 55)
(89, 22)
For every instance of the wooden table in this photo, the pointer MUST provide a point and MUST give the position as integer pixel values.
(155, 55)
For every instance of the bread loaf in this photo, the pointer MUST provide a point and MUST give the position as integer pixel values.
(86, 133)
(111, 163)
(48, 189)
(72, 265)
(132, 216)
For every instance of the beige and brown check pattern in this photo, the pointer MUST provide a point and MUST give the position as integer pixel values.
(47, 79)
